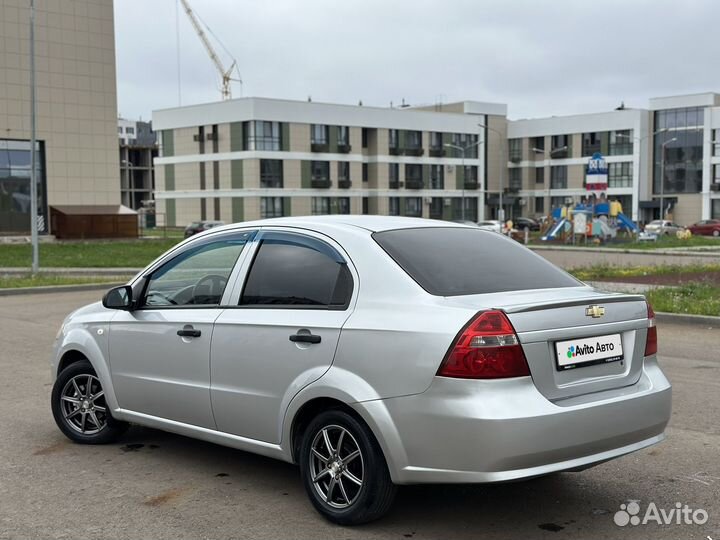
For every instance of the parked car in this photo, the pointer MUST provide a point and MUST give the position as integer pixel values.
(200, 226)
(525, 222)
(662, 227)
(706, 227)
(492, 225)
(465, 222)
(371, 351)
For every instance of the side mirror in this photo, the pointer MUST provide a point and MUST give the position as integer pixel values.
(119, 298)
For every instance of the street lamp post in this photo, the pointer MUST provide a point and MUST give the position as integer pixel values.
(462, 150)
(503, 165)
(549, 154)
(33, 154)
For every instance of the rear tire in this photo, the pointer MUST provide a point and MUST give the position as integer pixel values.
(80, 408)
(344, 471)
(716, 233)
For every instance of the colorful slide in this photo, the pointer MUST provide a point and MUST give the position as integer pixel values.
(627, 223)
(555, 229)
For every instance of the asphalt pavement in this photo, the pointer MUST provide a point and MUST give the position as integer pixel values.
(158, 485)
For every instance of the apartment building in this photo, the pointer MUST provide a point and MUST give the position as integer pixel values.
(138, 150)
(256, 158)
(76, 110)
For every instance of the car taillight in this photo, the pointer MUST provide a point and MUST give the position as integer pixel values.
(487, 348)
(651, 342)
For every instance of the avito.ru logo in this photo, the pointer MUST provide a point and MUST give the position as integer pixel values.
(682, 514)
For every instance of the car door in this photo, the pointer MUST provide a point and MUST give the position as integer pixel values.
(160, 351)
(282, 335)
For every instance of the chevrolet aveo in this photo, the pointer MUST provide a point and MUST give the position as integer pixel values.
(372, 352)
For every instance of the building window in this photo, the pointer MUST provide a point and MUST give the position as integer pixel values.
(556, 202)
(413, 140)
(393, 140)
(320, 170)
(539, 175)
(343, 171)
(271, 207)
(364, 137)
(539, 205)
(590, 143)
(515, 150)
(15, 186)
(365, 205)
(343, 134)
(365, 172)
(558, 177)
(716, 142)
(515, 181)
(320, 206)
(120, 129)
(319, 134)
(436, 208)
(437, 177)
(538, 144)
(560, 146)
(470, 213)
(716, 174)
(683, 157)
(621, 142)
(715, 209)
(413, 176)
(343, 205)
(394, 175)
(271, 173)
(620, 175)
(470, 176)
(436, 141)
(467, 141)
(262, 135)
(394, 206)
(413, 206)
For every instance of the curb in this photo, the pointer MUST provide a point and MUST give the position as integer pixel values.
(664, 252)
(58, 288)
(684, 318)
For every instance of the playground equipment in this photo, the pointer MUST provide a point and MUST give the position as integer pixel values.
(597, 217)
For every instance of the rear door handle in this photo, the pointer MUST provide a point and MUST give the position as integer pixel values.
(304, 338)
(189, 331)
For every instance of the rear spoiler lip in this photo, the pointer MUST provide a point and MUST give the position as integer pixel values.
(610, 299)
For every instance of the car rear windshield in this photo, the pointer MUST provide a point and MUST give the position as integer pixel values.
(449, 261)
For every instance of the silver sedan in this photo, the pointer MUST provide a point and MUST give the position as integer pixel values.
(372, 352)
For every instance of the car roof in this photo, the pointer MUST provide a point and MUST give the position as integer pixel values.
(370, 223)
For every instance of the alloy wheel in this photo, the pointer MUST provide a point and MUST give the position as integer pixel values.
(337, 467)
(83, 405)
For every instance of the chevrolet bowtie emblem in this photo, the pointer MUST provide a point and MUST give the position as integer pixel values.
(594, 311)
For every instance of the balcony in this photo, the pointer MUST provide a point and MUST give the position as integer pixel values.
(470, 184)
(436, 152)
(413, 151)
(394, 151)
(414, 183)
(319, 147)
(395, 184)
(322, 183)
(343, 148)
(559, 153)
(344, 184)
(590, 149)
(714, 187)
(515, 156)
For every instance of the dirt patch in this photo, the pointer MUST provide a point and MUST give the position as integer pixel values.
(53, 448)
(679, 278)
(165, 497)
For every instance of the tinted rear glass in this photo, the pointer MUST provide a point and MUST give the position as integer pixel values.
(459, 261)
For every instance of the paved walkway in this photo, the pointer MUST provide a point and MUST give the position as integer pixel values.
(573, 258)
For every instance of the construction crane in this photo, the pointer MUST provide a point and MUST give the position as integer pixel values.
(225, 74)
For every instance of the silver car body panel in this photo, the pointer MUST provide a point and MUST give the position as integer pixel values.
(388, 346)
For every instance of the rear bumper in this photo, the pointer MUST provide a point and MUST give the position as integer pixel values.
(464, 431)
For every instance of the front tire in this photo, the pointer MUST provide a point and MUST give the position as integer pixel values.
(344, 471)
(80, 408)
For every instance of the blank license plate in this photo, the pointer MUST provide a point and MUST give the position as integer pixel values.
(576, 353)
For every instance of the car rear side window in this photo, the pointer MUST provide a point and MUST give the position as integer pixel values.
(292, 270)
(449, 261)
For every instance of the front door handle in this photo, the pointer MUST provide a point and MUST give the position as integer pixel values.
(304, 338)
(189, 331)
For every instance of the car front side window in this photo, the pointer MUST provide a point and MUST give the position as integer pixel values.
(197, 276)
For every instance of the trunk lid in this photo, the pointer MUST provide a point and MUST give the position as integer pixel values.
(546, 317)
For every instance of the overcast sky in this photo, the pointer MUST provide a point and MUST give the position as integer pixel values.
(542, 58)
